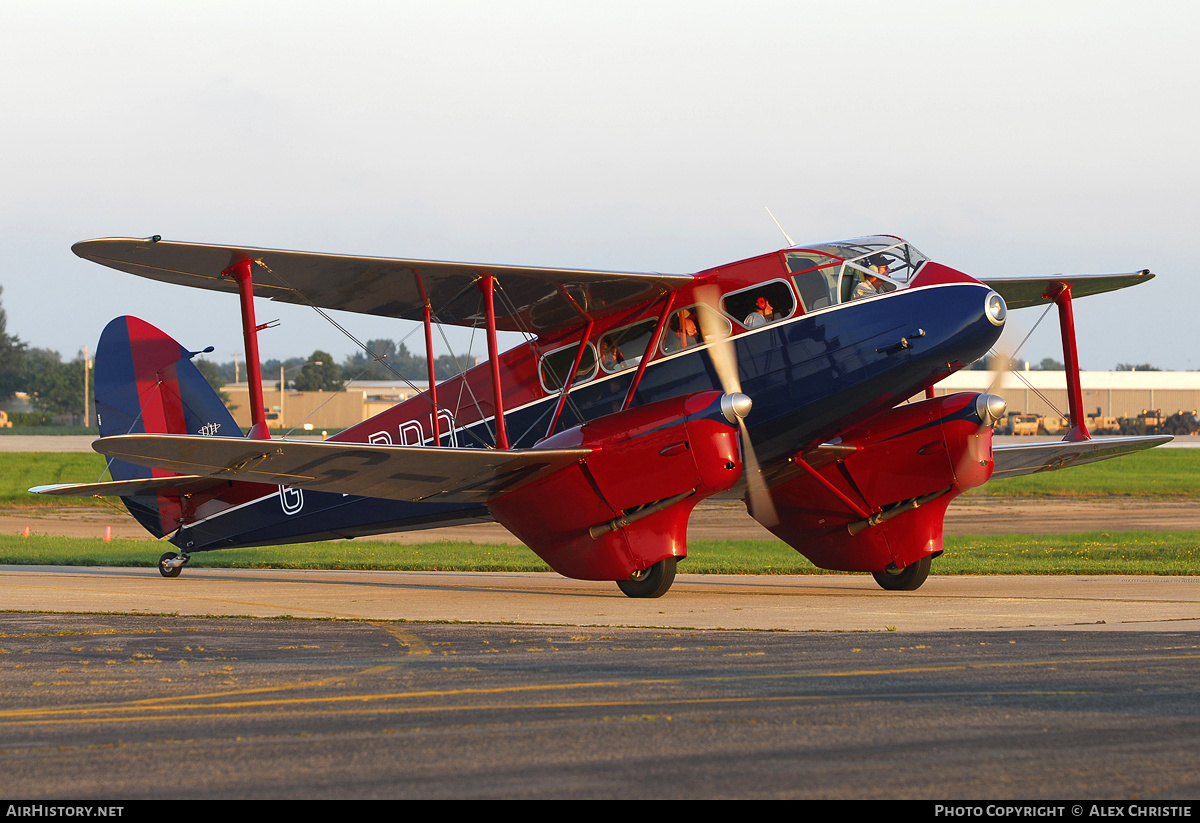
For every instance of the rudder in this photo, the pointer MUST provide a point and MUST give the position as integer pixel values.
(146, 383)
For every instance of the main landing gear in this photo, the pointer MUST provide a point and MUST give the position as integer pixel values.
(171, 564)
(651, 582)
(907, 579)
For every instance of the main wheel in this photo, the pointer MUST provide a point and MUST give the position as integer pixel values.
(651, 582)
(907, 579)
(168, 571)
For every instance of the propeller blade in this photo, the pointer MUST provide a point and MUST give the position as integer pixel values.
(721, 350)
(723, 354)
(999, 364)
(758, 496)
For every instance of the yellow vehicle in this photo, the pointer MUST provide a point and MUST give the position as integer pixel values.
(1018, 423)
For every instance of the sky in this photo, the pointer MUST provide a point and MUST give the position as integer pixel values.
(1002, 139)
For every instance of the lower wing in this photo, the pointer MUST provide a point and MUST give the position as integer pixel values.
(390, 472)
(1014, 461)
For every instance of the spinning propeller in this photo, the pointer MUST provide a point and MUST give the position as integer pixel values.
(723, 354)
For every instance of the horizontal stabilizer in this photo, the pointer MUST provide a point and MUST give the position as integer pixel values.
(180, 485)
(1014, 461)
(1020, 293)
(391, 472)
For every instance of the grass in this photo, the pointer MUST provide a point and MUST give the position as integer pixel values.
(1155, 553)
(1160, 473)
(1170, 474)
(20, 471)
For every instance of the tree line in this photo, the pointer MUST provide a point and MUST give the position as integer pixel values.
(320, 372)
(56, 387)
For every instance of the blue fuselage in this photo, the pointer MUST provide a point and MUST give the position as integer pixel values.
(810, 377)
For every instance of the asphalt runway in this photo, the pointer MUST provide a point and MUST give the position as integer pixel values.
(121, 707)
(119, 684)
(795, 603)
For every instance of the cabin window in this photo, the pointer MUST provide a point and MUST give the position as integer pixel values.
(557, 364)
(685, 329)
(761, 304)
(623, 348)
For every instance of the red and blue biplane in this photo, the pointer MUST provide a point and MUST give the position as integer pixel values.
(780, 379)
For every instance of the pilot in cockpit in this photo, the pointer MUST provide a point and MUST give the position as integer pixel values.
(872, 284)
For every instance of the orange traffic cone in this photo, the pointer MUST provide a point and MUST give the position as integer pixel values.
(108, 534)
(26, 532)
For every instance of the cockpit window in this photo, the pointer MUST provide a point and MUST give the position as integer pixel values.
(901, 258)
(816, 278)
(847, 270)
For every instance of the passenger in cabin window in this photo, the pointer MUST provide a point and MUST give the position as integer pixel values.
(763, 314)
(610, 356)
(684, 330)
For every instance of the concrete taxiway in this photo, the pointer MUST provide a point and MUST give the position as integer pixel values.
(776, 603)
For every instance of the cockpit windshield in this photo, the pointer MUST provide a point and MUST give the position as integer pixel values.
(831, 273)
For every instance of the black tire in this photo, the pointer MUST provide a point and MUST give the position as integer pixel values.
(651, 582)
(166, 571)
(908, 579)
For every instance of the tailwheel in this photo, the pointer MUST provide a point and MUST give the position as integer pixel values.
(907, 579)
(171, 564)
(651, 582)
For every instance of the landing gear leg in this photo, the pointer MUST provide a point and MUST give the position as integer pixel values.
(651, 582)
(907, 579)
(171, 564)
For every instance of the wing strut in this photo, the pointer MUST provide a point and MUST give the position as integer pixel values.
(832, 489)
(241, 272)
(570, 376)
(1066, 323)
(488, 286)
(650, 349)
(433, 404)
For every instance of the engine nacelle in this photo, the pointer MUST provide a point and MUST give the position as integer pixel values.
(626, 505)
(907, 464)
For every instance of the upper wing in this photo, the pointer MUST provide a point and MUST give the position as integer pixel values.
(391, 472)
(1016, 460)
(1031, 291)
(534, 299)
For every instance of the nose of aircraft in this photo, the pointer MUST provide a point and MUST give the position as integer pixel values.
(994, 308)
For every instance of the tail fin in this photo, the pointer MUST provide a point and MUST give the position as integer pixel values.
(146, 383)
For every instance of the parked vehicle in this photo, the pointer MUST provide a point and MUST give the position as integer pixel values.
(1153, 421)
(1018, 423)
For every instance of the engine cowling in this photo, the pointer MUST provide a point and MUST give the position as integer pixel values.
(902, 468)
(626, 505)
